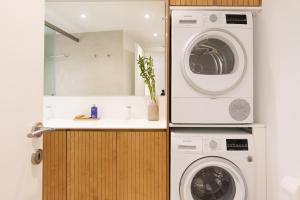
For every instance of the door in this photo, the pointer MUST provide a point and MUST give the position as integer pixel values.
(213, 178)
(21, 98)
(55, 165)
(91, 165)
(142, 165)
(214, 62)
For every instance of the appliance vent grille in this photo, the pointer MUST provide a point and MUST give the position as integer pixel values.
(239, 109)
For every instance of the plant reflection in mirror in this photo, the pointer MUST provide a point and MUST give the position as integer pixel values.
(147, 73)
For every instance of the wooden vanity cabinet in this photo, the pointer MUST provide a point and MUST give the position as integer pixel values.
(91, 165)
(141, 165)
(105, 165)
(215, 2)
(55, 166)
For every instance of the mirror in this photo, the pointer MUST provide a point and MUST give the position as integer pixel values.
(91, 48)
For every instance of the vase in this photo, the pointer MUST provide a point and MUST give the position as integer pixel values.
(153, 111)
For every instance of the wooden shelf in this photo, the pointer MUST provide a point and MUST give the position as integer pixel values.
(241, 3)
(254, 10)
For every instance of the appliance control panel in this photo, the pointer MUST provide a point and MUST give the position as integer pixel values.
(226, 20)
(211, 19)
(222, 145)
(236, 19)
(237, 144)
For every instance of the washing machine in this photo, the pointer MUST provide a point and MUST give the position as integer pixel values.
(212, 164)
(212, 67)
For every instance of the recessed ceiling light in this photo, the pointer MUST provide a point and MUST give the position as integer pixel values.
(155, 34)
(147, 16)
(83, 16)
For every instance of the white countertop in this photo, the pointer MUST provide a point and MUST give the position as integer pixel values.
(105, 124)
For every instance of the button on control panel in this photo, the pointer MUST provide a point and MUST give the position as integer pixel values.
(213, 18)
(213, 144)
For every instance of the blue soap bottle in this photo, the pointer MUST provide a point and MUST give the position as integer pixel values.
(94, 112)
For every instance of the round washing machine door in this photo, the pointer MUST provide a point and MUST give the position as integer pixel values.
(213, 178)
(214, 62)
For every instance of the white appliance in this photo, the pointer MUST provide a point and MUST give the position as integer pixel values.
(212, 164)
(212, 67)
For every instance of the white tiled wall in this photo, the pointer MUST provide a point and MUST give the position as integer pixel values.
(109, 107)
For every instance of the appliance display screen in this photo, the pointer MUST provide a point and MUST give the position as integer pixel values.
(237, 145)
(236, 19)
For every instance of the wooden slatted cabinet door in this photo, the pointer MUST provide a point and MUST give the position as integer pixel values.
(215, 2)
(142, 165)
(91, 165)
(257, 3)
(54, 166)
(191, 2)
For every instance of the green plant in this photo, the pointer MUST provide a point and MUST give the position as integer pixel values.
(147, 73)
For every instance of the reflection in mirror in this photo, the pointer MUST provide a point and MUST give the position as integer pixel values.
(111, 35)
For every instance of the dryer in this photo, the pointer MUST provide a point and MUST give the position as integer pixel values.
(212, 67)
(212, 164)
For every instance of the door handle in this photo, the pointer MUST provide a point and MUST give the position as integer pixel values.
(38, 130)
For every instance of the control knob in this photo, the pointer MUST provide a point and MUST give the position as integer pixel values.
(213, 144)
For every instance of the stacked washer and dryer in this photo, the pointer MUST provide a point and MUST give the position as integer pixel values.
(211, 88)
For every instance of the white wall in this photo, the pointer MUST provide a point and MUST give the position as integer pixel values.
(129, 62)
(277, 88)
(99, 65)
(49, 62)
(21, 86)
(159, 63)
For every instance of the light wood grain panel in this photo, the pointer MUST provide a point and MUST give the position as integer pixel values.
(189, 2)
(251, 2)
(215, 2)
(54, 166)
(173, 2)
(141, 165)
(91, 165)
(218, 2)
(210, 2)
(235, 2)
(229, 2)
(240, 3)
(70, 169)
(224, 3)
(257, 2)
(200, 2)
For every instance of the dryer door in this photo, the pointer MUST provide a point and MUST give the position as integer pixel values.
(214, 62)
(213, 178)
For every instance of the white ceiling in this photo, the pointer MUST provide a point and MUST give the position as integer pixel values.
(127, 15)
